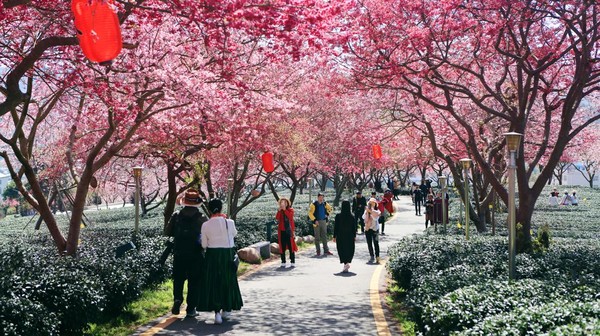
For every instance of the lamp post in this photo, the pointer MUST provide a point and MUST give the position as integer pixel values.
(513, 141)
(310, 183)
(137, 176)
(442, 180)
(466, 163)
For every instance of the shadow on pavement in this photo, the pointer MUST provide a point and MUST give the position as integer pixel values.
(345, 275)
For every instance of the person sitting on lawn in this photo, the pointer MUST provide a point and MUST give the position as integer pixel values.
(566, 200)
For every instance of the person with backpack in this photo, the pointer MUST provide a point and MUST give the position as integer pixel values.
(318, 213)
(185, 226)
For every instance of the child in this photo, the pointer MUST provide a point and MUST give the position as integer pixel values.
(429, 210)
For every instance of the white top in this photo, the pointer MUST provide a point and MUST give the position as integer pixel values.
(574, 199)
(372, 223)
(214, 232)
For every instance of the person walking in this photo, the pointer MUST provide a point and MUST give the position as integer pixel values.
(185, 226)
(359, 203)
(286, 229)
(425, 190)
(371, 217)
(396, 189)
(344, 235)
(318, 212)
(221, 292)
(418, 200)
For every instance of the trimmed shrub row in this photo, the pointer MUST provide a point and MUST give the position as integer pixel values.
(46, 295)
(453, 285)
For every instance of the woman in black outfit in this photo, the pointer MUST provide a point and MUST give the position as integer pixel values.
(344, 234)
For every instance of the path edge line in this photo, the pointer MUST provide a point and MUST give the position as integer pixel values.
(380, 320)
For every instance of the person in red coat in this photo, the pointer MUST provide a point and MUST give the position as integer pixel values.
(389, 205)
(286, 227)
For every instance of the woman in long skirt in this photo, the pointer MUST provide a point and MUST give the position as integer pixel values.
(221, 292)
(344, 234)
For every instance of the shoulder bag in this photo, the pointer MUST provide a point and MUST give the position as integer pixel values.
(235, 262)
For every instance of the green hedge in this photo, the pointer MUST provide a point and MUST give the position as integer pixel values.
(453, 286)
(43, 294)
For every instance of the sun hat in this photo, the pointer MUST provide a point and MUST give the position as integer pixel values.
(191, 198)
(372, 200)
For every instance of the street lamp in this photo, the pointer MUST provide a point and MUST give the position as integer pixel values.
(466, 163)
(137, 176)
(442, 180)
(513, 141)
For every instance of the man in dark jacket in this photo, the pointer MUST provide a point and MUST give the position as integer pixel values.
(425, 190)
(187, 251)
(359, 203)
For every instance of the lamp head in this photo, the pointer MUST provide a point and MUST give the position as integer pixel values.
(442, 180)
(137, 171)
(513, 140)
(466, 163)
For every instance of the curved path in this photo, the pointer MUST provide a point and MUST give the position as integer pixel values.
(312, 299)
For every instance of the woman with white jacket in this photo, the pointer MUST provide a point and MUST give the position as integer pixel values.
(371, 217)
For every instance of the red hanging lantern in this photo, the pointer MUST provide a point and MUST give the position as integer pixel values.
(267, 162)
(98, 29)
(377, 152)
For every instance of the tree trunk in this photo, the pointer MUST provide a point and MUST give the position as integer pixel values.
(339, 182)
(77, 213)
(172, 193)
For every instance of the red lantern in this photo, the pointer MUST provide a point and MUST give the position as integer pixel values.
(267, 162)
(98, 29)
(377, 152)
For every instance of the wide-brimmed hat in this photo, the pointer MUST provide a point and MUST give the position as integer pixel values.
(190, 198)
(372, 200)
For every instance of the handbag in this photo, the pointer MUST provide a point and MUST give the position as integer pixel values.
(235, 262)
(286, 224)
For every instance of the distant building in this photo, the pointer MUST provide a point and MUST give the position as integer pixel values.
(573, 177)
(4, 179)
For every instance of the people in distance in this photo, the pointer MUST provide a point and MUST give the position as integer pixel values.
(429, 210)
(574, 198)
(553, 198)
(359, 203)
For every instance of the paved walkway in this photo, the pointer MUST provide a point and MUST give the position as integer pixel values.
(314, 298)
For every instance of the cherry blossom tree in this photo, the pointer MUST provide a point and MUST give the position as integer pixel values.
(523, 66)
(587, 154)
(40, 48)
